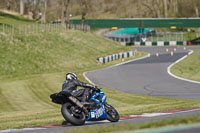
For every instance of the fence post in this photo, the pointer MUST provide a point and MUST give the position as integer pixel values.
(12, 32)
(19, 28)
(34, 30)
(181, 36)
(55, 27)
(3, 28)
(25, 29)
(165, 37)
(49, 27)
(38, 28)
(157, 37)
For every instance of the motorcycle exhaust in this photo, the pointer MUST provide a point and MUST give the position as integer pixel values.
(79, 104)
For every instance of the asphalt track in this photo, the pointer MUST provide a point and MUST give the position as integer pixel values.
(148, 76)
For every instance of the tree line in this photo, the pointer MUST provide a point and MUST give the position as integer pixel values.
(49, 10)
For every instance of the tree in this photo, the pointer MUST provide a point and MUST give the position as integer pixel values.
(88, 7)
(65, 14)
(175, 7)
(22, 7)
(84, 6)
(154, 7)
(45, 10)
(35, 8)
(196, 4)
(165, 3)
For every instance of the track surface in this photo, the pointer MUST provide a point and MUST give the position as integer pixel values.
(148, 76)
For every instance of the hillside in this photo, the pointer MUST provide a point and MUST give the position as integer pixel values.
(34, 65)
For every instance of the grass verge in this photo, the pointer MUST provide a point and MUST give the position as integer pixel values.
(189, 67)
(132, 127)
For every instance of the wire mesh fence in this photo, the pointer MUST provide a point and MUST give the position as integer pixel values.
(165, 36)
(152, 37)
(28, 29)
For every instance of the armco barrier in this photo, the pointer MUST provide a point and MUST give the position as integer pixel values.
(116, 56)
(159, 43)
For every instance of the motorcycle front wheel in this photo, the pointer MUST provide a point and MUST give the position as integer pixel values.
(112, 114)
(72, 115)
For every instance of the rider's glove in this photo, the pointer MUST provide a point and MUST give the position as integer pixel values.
(90, 86)
(96, 89)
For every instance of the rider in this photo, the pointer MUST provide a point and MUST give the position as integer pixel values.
(71, 83)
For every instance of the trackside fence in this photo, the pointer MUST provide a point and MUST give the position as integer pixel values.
(154, 38)
(9, 31)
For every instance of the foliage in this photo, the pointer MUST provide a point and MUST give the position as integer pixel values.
(112, 8)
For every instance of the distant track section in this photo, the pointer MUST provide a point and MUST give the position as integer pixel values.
(148, 76)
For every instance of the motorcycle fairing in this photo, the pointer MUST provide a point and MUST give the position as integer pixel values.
(98, 114)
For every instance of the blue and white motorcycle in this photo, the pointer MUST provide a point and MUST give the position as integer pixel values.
(76, 113)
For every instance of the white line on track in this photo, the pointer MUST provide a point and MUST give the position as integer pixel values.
(20, 130)
(167, 113)
(151, 114)
(88, 79)
(169, 72)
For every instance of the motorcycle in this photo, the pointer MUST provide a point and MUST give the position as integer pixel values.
(76, 113)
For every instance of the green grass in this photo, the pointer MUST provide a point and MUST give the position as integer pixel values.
(13, 19)
(189, 67)
(132, 127)
(34, 66)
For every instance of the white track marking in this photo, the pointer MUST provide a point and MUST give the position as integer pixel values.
(19, 130)
(161, 113)
(188, 110)
(169, 72)
(88, 79)
(150, 114)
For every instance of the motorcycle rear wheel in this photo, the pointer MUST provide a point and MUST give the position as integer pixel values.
(70, 116)
(112, 114)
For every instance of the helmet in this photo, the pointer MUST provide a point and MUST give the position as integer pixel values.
(70, 76)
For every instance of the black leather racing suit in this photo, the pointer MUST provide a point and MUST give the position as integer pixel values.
(71, 85)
